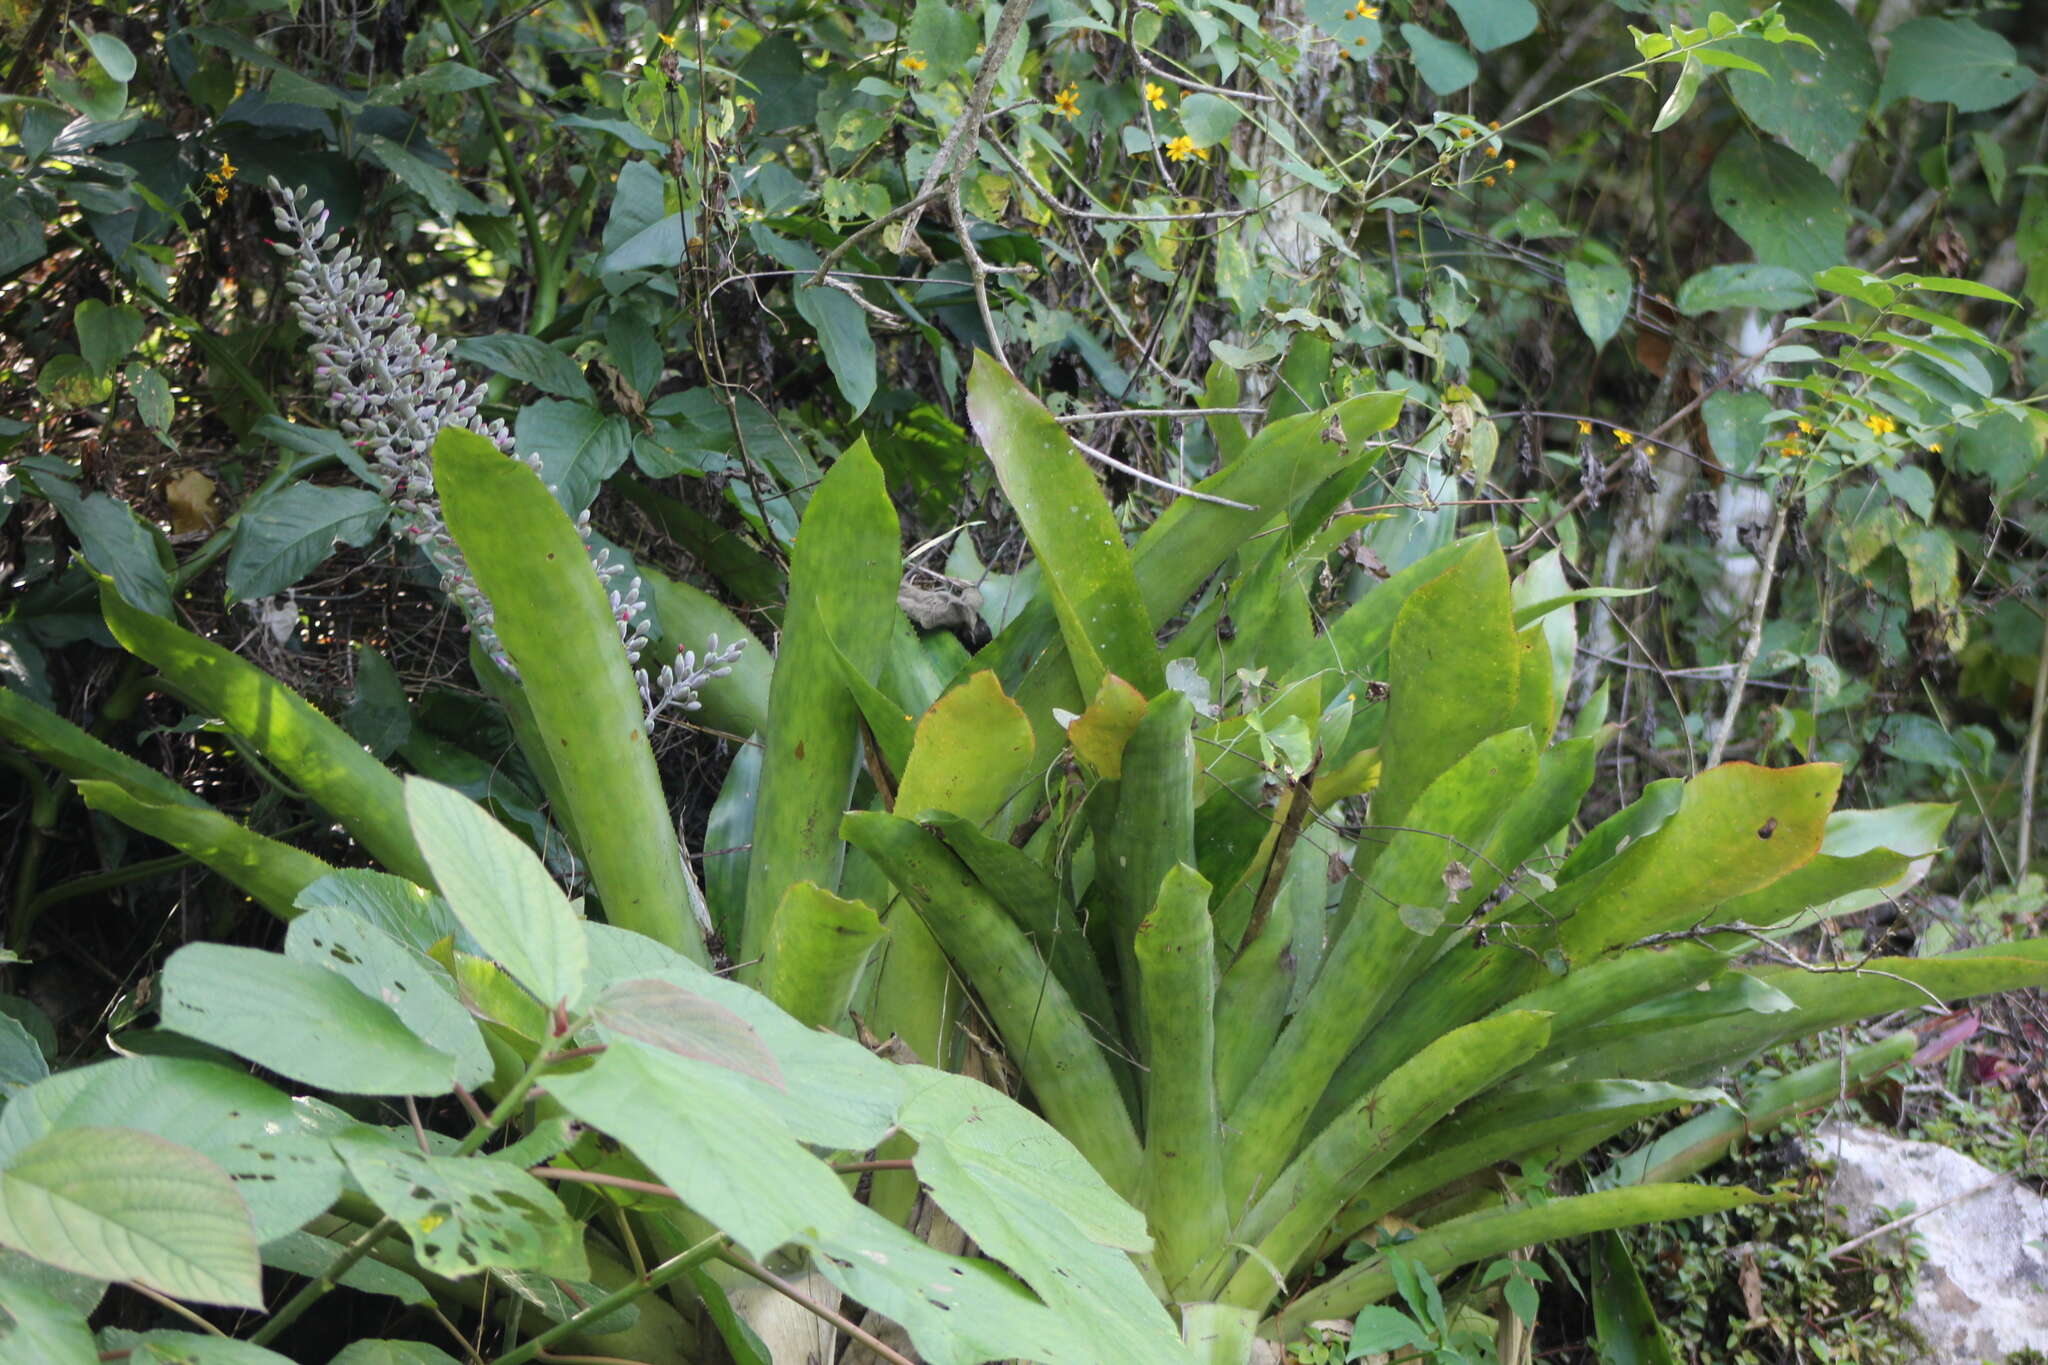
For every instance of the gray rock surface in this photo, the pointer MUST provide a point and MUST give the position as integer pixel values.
(1983, 1291)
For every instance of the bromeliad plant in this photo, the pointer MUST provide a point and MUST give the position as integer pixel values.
(1125, 851)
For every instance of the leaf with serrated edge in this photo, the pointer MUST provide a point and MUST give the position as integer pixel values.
(119, 1204)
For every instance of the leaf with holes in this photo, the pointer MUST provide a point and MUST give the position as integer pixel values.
(466, 1215)
(118, 1204)
(418, 991)
(273, 1147)
(299, 1021)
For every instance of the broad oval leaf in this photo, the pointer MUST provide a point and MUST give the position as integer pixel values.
(298, 1021)
(418, 991)
(118, 1204)
(1816, 98)
(1953, 61)
(1790, 214)
(1772, 287)
(500, 891)
(528, 359)
(286, 533)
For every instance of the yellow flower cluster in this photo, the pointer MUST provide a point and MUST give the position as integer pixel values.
(1361, 10)
(915, 63)
(1155, 94)
(1880, 425)
(1183, 147)
(217, 179)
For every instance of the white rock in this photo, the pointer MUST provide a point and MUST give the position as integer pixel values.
(1983, 1290)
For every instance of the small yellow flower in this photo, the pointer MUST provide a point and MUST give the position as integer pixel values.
(1493, 149)
(1880, 425)
(1155, 95)
(1805, 427)
(225, 170)
(1358, 42)
(1792, 445)
(1934, 447)
(1486, 181)
(1508, 165)
(915, 63)
(668, 40)
(1183, 147)
(1585, 427)
(1624, 437)
(1345, 53)
(1068, 101)
(1494, 125)
(1361, 10)
(725, 21)
(1405, 232)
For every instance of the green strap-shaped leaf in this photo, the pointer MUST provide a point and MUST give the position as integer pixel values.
(1698, 1143)
(1291, 1215)
(843, 577)
(76, 754)
(1153, 828)
(271, 872)
(1388, 935)
(971, 753)
(1625, 1322)
(1035, 900)
(553, 618)
(1737, 829)
(1501, 1127)
(1454, 671)
(816, 950)
(752, 577)
(1282, 465)
(319, 757)
(1044, 1034)
(1477, 1236)
(1176, 960)
(1082, 558)
(1821, 1000)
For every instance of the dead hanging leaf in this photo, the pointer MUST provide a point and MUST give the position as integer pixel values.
(1457, 879)
(193, 508)
(1950, 252)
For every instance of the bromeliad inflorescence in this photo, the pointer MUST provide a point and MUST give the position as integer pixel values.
(394, 387)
